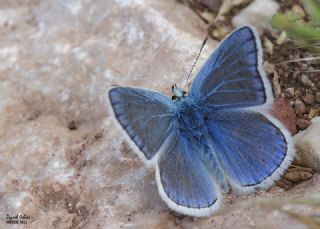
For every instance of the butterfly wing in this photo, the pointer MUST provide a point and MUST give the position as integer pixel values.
(145, 116)
(233, 76)
(254, 149)
(184, 181)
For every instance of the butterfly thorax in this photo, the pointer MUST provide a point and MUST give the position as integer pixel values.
(189, 118)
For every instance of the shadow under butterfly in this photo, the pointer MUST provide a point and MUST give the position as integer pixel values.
(218, 136)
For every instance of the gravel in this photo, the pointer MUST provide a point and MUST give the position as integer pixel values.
(318, 97)
(303, 123)
(308, 99)
(289, 92)
(306, 81)
(299, 107)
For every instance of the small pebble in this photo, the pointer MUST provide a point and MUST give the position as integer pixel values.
(297, 93)
(303, 123)
(289, 92)
(318, 97)
(268, 67)
(306, 81)
(299, 107)
(282, 38)
(308, 99)
(268, 45)
(297, 176)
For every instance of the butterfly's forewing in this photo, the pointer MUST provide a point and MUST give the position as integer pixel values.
(185, 183)
(233, 77)
(254, 149)
(145, 116)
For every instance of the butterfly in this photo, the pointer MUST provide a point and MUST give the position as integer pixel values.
(216, 137)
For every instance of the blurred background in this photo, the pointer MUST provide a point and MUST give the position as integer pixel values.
(63, 164)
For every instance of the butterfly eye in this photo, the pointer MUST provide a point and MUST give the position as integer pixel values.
(174, 97)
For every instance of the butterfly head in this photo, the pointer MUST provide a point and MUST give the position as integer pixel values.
(177, 93)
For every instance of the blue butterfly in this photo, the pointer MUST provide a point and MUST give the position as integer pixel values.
(217, 136)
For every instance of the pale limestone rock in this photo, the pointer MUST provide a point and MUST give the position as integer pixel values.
(308, 145)
(61, 160)
(258, 13)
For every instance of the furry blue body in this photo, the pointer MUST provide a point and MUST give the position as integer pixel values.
(189, 118)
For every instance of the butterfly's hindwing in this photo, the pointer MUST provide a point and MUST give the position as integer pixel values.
(254, 149)
(184, 181)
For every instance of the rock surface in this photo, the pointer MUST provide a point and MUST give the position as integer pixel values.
(282, 110)
(258, 13)
(308, 145)
(61, 160)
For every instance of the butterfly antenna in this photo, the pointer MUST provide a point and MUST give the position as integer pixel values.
(202, 45)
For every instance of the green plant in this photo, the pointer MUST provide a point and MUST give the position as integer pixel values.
(303, 28)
